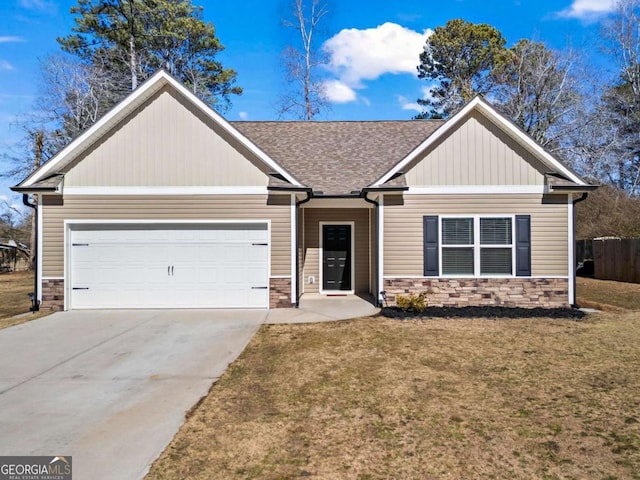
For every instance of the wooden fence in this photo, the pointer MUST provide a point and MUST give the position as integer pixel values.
(617, 259)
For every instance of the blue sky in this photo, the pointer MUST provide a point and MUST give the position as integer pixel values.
(373, 47)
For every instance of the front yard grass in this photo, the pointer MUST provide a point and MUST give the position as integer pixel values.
(375, 398)
(14, 299)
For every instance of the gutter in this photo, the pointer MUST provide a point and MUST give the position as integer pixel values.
(377, 205)
(573, 188)
(384, 189)
(309, 193)
(35, 303)
(582, 198)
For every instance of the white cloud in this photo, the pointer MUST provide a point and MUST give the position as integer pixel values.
(338, 92)
(45, 5)
(243, 115)
(356, 55)
(10, 39)
(406, 104)
(588, 9)
(4, 65)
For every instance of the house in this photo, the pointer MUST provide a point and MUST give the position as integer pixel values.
(165, 204)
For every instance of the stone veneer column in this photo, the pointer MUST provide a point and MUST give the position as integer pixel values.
(53, 294)
(280, 293)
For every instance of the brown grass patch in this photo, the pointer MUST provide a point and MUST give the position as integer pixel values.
(607, 295)
(376, 398)
(14, 300)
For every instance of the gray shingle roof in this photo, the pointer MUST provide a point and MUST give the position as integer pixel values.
(338, 158)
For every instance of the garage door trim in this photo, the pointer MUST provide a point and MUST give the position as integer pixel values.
(69, 224)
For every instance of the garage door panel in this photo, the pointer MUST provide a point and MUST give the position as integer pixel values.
(186, 266)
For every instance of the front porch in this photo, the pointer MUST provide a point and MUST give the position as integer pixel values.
(337, 252)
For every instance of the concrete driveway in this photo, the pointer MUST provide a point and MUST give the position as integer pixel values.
(111, 388)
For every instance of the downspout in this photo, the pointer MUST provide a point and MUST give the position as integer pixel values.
(582, 198)
(35, 303)
(297, 245)
(377, 204)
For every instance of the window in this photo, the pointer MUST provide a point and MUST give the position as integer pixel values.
(496, 246)
(477, 246)
(457, 246)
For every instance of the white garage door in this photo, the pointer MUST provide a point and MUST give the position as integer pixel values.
(169, 266)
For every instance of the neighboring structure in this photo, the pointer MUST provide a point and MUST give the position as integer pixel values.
(14, 256)
(165, 204)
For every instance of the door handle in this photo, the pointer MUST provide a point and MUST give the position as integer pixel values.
(172, 270)
(168, 270)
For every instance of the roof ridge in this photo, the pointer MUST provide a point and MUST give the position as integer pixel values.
(311, 122)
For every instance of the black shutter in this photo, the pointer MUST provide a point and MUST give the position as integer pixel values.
(431, 239)
(523, 245)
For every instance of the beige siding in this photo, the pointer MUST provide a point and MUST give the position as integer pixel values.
(196, 207)
(311, 263)
(165, 142)
(403, 228)
(476, 153)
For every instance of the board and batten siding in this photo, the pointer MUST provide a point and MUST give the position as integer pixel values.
(476, 153)
(165, 208)
(311, 262)
(403, 228)
(165, 142)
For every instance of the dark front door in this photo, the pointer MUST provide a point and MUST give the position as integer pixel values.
(336, 257)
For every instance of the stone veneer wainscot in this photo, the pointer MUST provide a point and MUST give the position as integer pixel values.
(504, 292)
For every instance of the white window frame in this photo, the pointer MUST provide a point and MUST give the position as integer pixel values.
(476, 245)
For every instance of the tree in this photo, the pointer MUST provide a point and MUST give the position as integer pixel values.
(620, 103)
(461, 58)
(539, 90)
(305, 97)
(608, 211)
(133, 38)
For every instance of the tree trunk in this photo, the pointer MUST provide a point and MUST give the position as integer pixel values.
(132, 61)
(38, 146)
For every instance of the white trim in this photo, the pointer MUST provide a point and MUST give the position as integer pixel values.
(477, 189)
(66, 264)
(164, 221)
(481, 105)
(570, 252)
(294, 233)
(52, 278)
(226, 190)
(532, 277)
(69, 223)
(353, 259)
(39, 249)
(144, 91)
(380, 242)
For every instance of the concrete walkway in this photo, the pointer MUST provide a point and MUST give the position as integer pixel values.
(321, 308)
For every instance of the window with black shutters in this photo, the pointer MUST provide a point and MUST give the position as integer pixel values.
(477, 246)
